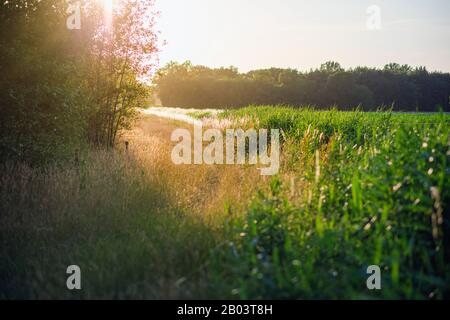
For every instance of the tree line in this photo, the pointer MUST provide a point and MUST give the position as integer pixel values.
(396, 86)
(63, 90)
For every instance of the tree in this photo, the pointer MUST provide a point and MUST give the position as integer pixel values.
(397, 68)
(122, 55)
(331, 67)
(43, 102)
(404, 88)
(61, 88)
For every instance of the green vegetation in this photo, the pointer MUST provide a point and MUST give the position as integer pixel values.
(200, 114)
(108, 215)
(399, 86)
(372, 189)
(355, 189)
(62, 89)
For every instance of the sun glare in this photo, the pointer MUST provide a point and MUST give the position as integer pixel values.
(107, 12)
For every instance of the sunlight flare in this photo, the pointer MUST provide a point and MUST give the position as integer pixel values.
(107, 12)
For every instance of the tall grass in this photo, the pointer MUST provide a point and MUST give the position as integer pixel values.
(107, 216)
(354, 189)
(370, 188)
(137, 225)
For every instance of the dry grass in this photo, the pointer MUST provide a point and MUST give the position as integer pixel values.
(138, 225)
(202, 189)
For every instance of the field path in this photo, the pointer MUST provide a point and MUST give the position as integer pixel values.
(151, 131)
(173, 114)
(157, 127)
(203, 189)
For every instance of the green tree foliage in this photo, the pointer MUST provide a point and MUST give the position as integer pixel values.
(61, 88)
(42, 105)
(399, 86)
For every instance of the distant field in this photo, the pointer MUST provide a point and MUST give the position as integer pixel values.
(355, 189)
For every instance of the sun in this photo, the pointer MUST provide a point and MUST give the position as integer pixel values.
(107, 4)
(107, 11)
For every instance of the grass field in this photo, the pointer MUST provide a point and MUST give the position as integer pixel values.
(354, 189)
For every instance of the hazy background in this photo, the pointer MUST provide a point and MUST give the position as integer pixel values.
(302, 34)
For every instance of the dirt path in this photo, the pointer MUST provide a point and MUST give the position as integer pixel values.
(156, 127)
(152, 134)
(202, 189)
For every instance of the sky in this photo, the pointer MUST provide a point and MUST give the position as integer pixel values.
(302, 34)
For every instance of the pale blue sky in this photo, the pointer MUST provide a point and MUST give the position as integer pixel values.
(302, 34)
